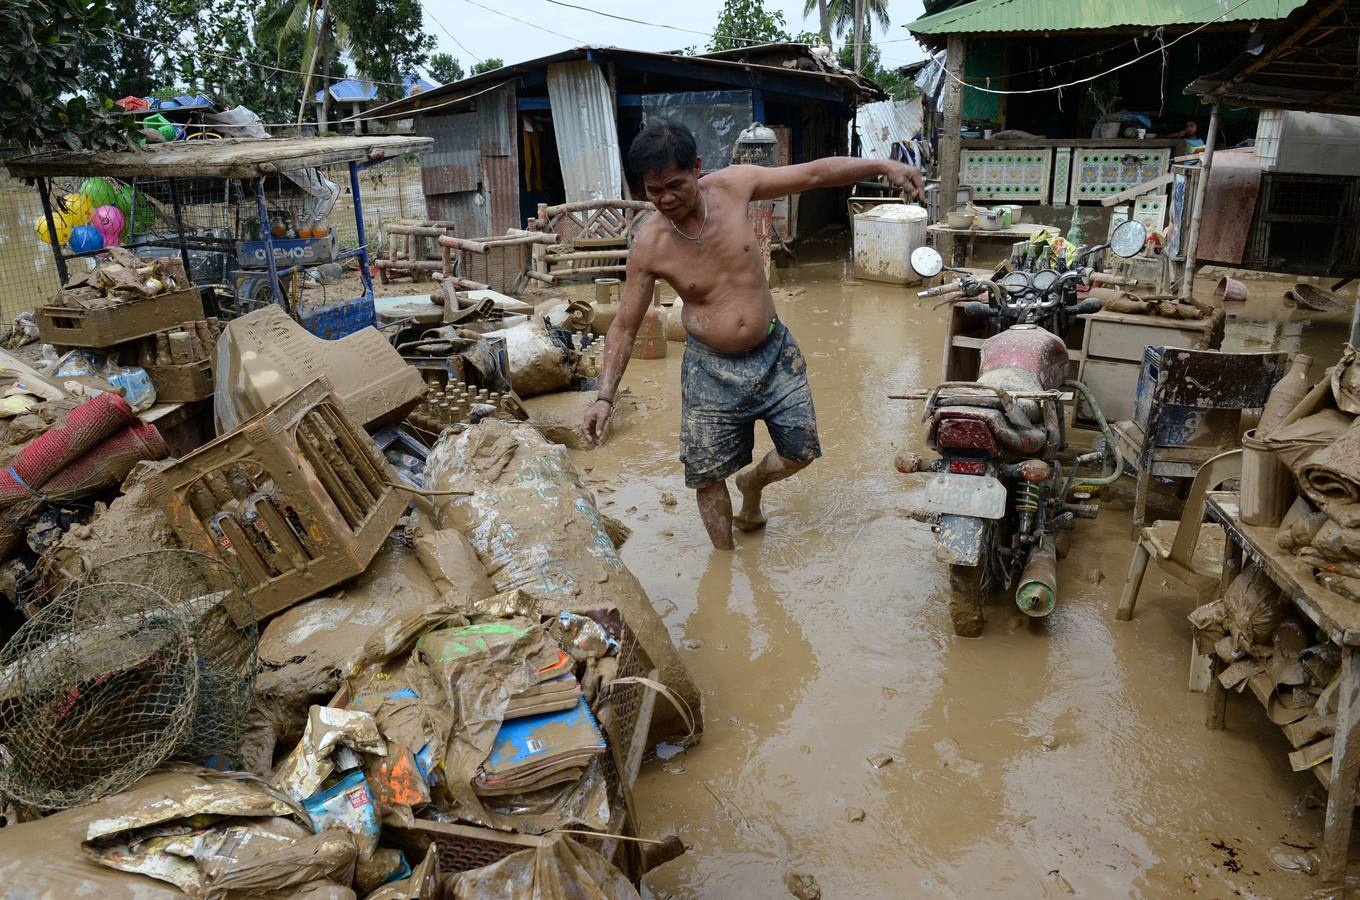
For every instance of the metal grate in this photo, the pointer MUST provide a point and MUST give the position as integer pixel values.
(1315, 199)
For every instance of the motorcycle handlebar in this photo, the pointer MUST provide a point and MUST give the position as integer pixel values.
(949, 287)
(980, 309)
(1112, 280)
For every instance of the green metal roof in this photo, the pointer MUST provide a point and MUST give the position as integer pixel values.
(1001, 16)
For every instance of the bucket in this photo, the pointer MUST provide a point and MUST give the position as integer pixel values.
(1230, 289)
(1267, 484)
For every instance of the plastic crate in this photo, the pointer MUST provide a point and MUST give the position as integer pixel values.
(296, 500)
(104, 326)
(338, 320)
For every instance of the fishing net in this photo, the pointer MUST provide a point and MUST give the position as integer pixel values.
(210, 596)
(96, 690)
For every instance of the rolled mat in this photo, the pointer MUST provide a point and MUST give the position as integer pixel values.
(1331, 474)
(103, 466)
(86, 426)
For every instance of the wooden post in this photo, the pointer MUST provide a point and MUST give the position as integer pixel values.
(1217, 707)
(950, 137)
(1336, 828)
(1201, 188)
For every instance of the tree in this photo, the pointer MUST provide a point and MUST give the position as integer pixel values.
(444, 68)
(386, 40)
(823, 18)
(487, 65)
(842, 13)
(897, 87)
(44, 99)
(745, 22)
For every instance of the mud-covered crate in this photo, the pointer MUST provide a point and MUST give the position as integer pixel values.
(183, 383)
(117, 323)
(296, 500)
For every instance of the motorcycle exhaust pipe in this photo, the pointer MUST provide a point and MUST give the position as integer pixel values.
(1038, 591)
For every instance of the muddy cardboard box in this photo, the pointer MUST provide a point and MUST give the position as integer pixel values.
(265, 356)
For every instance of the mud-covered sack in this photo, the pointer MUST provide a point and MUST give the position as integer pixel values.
(538, 362)
(1255, 608)
(560, 869)
(536, 528)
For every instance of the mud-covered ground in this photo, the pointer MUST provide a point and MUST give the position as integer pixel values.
(1063, 758)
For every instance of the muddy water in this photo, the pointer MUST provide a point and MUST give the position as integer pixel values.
(1061, 759)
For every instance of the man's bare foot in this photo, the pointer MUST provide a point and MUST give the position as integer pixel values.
(750, 518)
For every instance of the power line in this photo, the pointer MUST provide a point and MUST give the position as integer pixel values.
(236, 59)
(1161, 48)
(608, 15)
(530, 24)
(449, 33)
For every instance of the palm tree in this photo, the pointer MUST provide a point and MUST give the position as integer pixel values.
(823, 18)
(324, 37)
(843, 17)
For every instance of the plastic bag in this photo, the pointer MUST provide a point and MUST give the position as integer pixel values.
(1255, 608)
(130, 381)
(562, 868)
(348, 805)
(535, 527)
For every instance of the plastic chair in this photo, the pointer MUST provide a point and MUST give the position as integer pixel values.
(1183, 548)
(1202, 380)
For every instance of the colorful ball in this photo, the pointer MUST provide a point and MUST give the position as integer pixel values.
(86, 239)
(143, 217)
(76, 208)
(109, 220)
(99, 190)
(122, 198)
(40, 228)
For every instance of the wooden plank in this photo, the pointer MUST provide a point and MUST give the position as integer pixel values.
(230, 158)
(1138, 190)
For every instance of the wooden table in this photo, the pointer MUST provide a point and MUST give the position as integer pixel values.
(1021, 231)
(1339, 619)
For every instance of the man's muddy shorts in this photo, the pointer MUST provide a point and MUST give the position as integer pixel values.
(724, 394)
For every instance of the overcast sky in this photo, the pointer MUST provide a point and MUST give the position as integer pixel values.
(547, 28)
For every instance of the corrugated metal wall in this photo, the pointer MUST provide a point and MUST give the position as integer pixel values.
(883, 123)
(500, 158)
(587, 131)
(451, 172)
(471, 176)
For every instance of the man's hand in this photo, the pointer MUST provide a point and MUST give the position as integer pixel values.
(906, 177)
(595, 420)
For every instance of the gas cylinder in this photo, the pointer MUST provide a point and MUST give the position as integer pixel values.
(650, 342)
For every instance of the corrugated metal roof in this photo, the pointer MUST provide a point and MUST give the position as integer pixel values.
(587, 136)
(992, 16)
(352, 90)
(881, 124)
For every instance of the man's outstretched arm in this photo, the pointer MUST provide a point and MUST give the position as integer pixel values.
(769, 182)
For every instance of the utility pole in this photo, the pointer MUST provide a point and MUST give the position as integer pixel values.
(950, 138)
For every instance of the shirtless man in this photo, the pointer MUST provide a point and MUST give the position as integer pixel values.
(741, 364)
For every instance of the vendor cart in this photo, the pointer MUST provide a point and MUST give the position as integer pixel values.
(237, 211)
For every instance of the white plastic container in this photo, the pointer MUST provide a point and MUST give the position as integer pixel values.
(885, 236)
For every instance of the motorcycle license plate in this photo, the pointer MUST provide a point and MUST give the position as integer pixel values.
(980, 496)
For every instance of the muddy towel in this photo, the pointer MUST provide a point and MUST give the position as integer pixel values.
(535, 527)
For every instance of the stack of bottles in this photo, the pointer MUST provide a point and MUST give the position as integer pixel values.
(451, 404)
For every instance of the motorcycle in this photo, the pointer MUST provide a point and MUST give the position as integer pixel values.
(1000, 499)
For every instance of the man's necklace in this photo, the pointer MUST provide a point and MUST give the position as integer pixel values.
(699, 238)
